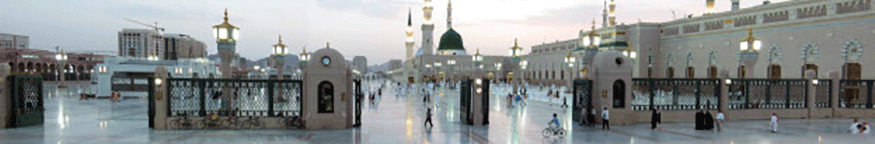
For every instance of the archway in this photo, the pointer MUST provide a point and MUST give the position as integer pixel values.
(619, 94)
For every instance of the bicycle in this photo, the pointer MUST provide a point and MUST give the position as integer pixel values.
(549, 131)
(231, 122)
(212, 121)
(291, 121)
(185, 122)
(252, 122)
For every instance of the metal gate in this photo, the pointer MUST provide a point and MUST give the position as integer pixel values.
(26, 100)
(465, 101)
(485, 91)
(359, 96)
(582, 99)
(151, 96)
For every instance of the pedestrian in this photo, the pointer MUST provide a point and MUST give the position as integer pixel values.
(720, 120)
(853, 129)
(583, 117)
(428, 118)
(865, 128)
(605, 118)
(700, 120)
(709, 120)
(655, 118)
(774, 122)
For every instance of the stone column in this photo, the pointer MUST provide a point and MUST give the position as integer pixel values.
(227, 56)
(279, 62)
(834, 96)
(724, 91)
(811, 94)
(4, 96)
(161, 96)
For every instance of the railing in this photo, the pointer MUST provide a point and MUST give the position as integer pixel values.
(767, 93)
(855, 93)
(823, 97)
(199, 97)
(675, 94)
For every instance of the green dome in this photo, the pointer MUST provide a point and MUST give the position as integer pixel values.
(450, 41)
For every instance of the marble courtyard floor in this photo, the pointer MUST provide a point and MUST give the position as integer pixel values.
(399, 119)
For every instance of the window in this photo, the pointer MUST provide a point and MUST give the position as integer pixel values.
(326, 97)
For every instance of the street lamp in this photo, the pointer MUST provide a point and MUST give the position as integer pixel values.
(226, 36)
(305, 57)
(279, 53)
(569, 60)
(516, 51)
(62, 62)
(629, 52)
(749, 54)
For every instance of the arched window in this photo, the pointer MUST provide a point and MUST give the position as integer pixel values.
(326, 97)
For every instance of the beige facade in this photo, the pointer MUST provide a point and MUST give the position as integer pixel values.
(181, 46)
(682, 43)
(140, 43)
(14, 41)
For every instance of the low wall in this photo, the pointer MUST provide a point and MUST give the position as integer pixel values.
(626, 117)
(266, 123)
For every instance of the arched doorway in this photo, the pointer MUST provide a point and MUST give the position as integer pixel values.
(619, 100)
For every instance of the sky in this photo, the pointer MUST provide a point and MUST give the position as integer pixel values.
(371, 28)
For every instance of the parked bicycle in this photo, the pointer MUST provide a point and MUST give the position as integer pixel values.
(291, 121)
(252, 122)
(185, 122)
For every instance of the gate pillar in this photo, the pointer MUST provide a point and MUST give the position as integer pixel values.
(4, 97)
(612, 82)
(327, 101)
(159, 95)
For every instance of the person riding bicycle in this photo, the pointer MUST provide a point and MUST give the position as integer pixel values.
(555, 122)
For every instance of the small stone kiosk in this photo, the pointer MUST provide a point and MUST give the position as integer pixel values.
(612, 81)
(328, 93)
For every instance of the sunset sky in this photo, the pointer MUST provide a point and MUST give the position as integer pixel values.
(370, 28)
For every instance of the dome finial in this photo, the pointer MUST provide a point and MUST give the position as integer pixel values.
(226, 14)
(515, 42)
(327, 45)
(280, 39)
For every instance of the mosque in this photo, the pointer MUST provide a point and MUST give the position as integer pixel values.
(771, 40)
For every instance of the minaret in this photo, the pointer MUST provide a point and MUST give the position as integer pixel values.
(427, 29)
(605, 15)
(735, 5)
(612, 18)
(409, 42)
(709, 6)
(450, 14)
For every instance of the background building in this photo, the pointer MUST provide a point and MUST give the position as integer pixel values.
(360, 63)
(140, 43)
(14, 41)
(181, 46)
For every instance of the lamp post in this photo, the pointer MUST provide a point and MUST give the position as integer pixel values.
(279, 53)
(226, 42)
(452, 64)
(569, 60)
(61, 57)
(749, 54)
(516, 53)
(304, 58)
(438, 66)
(590, 41)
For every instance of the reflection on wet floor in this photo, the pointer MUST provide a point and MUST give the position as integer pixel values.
(398, 118)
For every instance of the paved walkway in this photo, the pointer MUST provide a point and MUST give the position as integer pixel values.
(399, 119)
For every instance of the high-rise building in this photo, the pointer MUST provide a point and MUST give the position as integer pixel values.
(181, 46)
(14, 41)
(140, 43)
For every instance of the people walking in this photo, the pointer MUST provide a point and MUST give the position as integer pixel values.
(655, 118)
(428, 118)
(719, 120)
(605, 119)
(774, 123)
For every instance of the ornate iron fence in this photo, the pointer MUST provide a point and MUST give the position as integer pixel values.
(855, 93)
(242, 97)
(823, 97)
(767, 93)
(25, 100)
(675, 94)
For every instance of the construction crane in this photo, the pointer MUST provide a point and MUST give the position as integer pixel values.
(157, 29)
